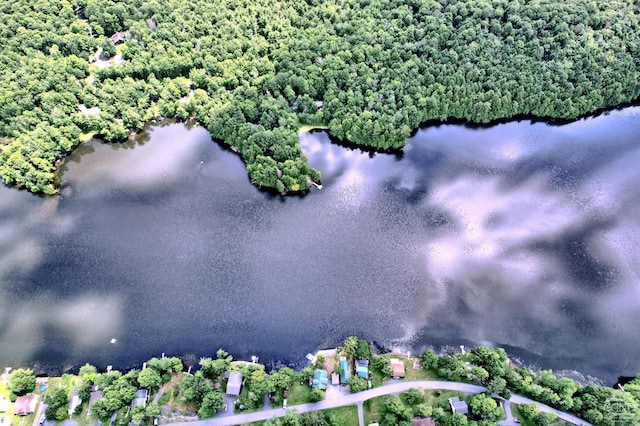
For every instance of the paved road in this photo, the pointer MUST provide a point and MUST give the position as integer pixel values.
(517, 399)
(507, 409)
(349, 399)
(360, 413)
(390, 388)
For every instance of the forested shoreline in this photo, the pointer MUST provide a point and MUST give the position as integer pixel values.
(252, 73)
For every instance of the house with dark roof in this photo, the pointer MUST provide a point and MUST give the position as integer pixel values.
(141, 398)
(25, 405)
(320, 379)
(397, 368)
(362, 368)
(234, 384)
(458, 406)
(344, 370)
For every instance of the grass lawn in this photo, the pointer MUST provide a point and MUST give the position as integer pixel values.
(299, 394)
(376, 378)
(308, 127)
(86, 137)
(372, 408)
(172, 388)
(415, 374)
(345, 416)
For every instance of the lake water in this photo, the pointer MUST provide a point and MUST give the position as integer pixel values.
(520, 235)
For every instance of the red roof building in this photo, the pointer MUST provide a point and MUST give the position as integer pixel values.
(25, 405)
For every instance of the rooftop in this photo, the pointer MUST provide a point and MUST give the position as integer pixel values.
(235, 383)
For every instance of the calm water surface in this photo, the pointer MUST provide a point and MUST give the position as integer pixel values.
(524, 235)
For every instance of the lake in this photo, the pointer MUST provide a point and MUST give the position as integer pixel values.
(524, 235)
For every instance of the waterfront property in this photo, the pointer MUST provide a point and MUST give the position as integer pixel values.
(141, 398)
(25, 405)
(362, 368)
(320, 379)
(234, 383)
(74, 402)
(344, 370)
(397, 368)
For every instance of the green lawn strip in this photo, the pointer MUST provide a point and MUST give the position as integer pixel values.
(299, 394)
(308, 127)
(372, 409)
(5, 392)
(345, 416)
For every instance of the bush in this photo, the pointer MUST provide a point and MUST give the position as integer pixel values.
(316, 395)
(164, 399)
(357, 384)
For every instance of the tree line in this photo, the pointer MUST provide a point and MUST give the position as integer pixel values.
(253, 72)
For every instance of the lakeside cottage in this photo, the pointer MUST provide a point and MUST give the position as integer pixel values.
(362, 368)
(25, 405)
(74, 402)
(344, 370)
(397, 368)
(141, 398)
(234, 384)
(320, 379)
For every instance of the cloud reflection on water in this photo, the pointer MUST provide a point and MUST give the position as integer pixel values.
(530, 235)
(519, 234)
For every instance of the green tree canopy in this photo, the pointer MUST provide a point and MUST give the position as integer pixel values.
(22, 381)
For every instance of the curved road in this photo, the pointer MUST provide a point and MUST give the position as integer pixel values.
(355, 398)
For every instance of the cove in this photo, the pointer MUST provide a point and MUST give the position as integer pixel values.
(519, 235)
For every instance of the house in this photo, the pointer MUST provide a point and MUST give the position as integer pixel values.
(397, 368)
(234, 384)
(141, 398)
(458, 406)
(118, 38)
(4, 404)
(74, 402)
(335, 379)
(89, 112)
(362, 368)
(320, 379)
(427, 421)
(344, 370)
(95, 397)
(25, 405)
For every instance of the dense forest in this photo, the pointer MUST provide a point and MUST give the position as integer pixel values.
(253, 72)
